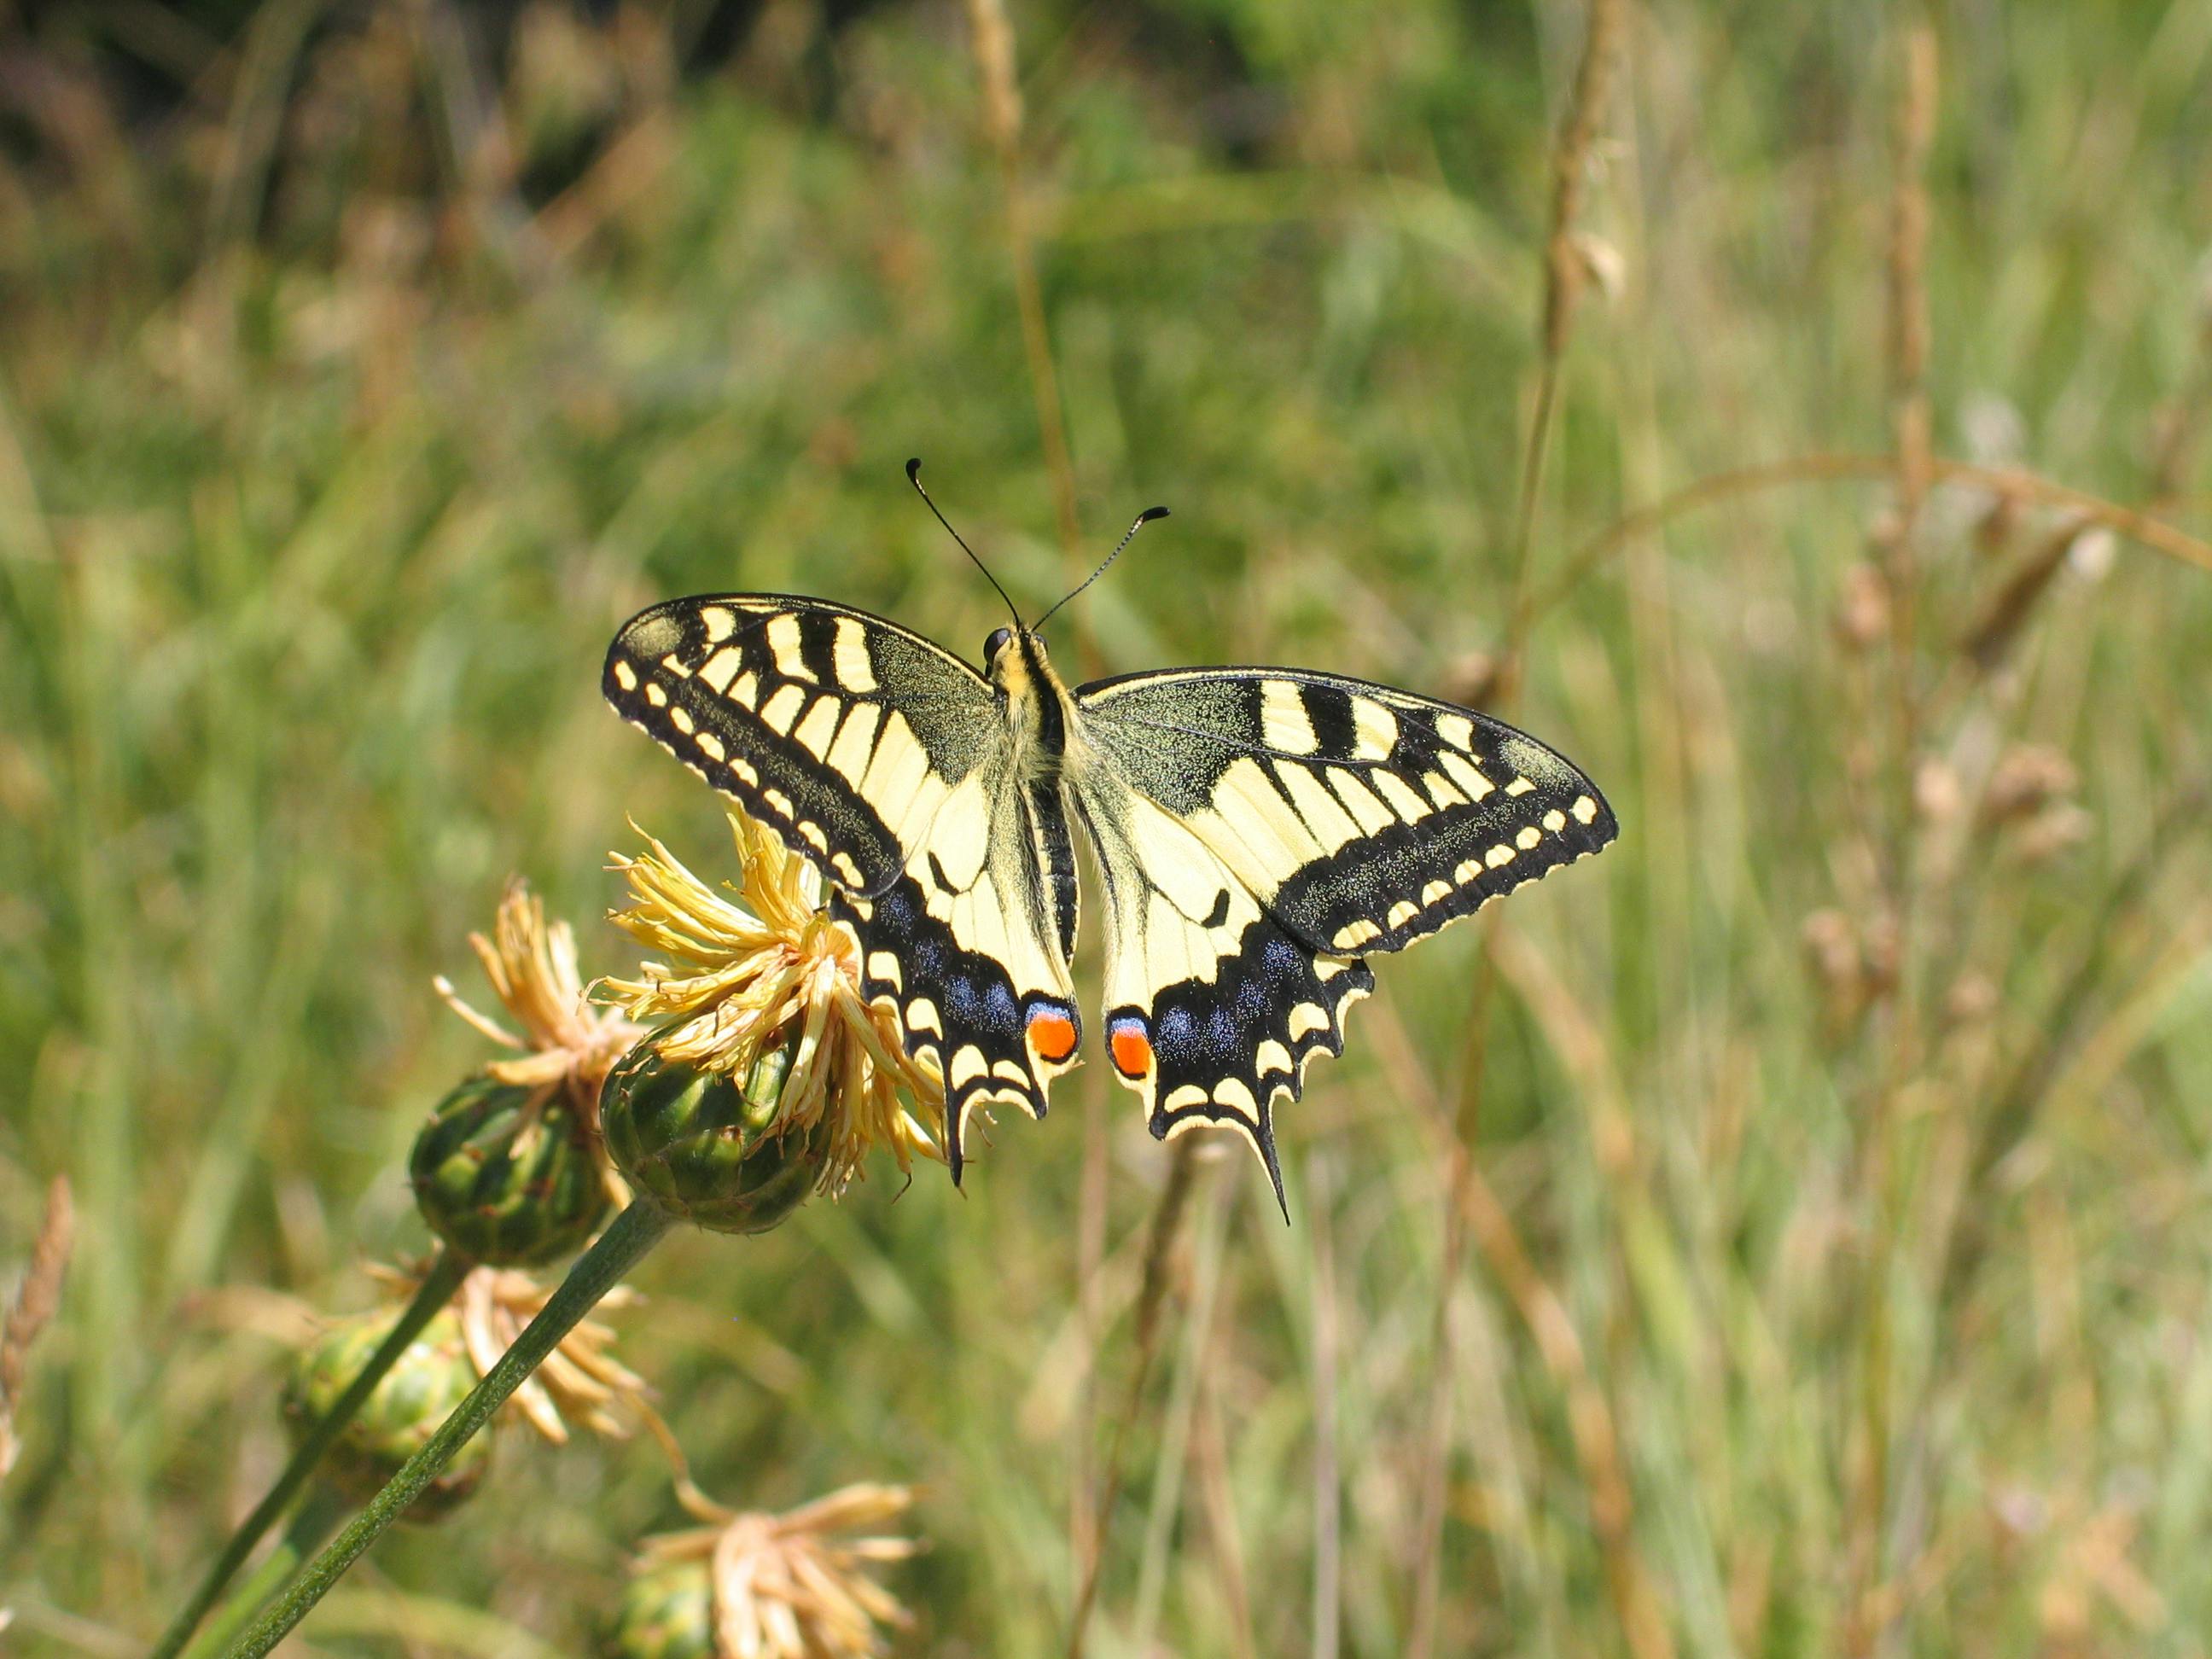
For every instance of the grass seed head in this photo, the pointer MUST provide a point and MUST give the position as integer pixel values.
(37, 1300)
(2028, 778)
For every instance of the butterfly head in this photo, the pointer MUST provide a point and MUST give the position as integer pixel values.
(1015, 663)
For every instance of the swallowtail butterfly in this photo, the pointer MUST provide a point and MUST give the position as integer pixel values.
(1260, 833)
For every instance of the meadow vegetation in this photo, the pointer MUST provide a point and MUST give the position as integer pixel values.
(1827, 1275)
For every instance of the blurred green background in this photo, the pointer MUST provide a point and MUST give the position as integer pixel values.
(1850, 1123)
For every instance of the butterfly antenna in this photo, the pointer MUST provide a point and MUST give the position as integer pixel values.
(1143, 519)
(914, 477)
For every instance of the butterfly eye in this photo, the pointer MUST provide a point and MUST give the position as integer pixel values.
(997, 642)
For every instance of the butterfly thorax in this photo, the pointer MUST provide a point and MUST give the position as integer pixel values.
(1034, 702)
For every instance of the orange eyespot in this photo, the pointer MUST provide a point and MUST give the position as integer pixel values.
(1052, 1033)
(1131, 1049)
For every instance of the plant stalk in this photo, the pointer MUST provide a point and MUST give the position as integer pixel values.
(635, 1232)
(437, 1289)
(315, 1520)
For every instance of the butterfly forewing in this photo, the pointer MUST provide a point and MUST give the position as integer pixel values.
(884, 759)
(842, 732)
(1361, 816)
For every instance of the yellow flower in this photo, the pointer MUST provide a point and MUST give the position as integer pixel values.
(532, 969)
(784, 1586)
(745, 975)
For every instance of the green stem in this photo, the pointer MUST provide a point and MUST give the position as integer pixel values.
(438, 1286)
(635, 1230)
(315, 1520)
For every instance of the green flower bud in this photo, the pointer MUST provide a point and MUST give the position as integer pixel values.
(417, 1394)
(704, 1145)
(504, 1183)
(666, 1612)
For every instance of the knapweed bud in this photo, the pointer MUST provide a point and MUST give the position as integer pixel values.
(712, 1148)
(665, 1613)
(417, 1394)
(507, 1175)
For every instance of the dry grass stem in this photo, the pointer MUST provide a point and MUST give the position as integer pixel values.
(1566, 267)
(1151, 1296)
(2010, 484)
(1589, 1414)
(37, 1300)
(1435, 1461)
(624, 174)
(1890, 828)
(1210, 1449)
(993, 42)
(1899, 538)
(1328, 1469)
(1090, 1317)
(1563, 273)
(1908, 279)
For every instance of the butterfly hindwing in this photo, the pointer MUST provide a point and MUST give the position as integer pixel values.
(883, 759)
(971, 946)
(1213, 1007)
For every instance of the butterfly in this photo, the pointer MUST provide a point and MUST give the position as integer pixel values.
(1259, 834)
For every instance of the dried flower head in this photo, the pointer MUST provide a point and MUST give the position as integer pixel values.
(580, 1385)
(786, 1586)
(745, 975)
(532, 966)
